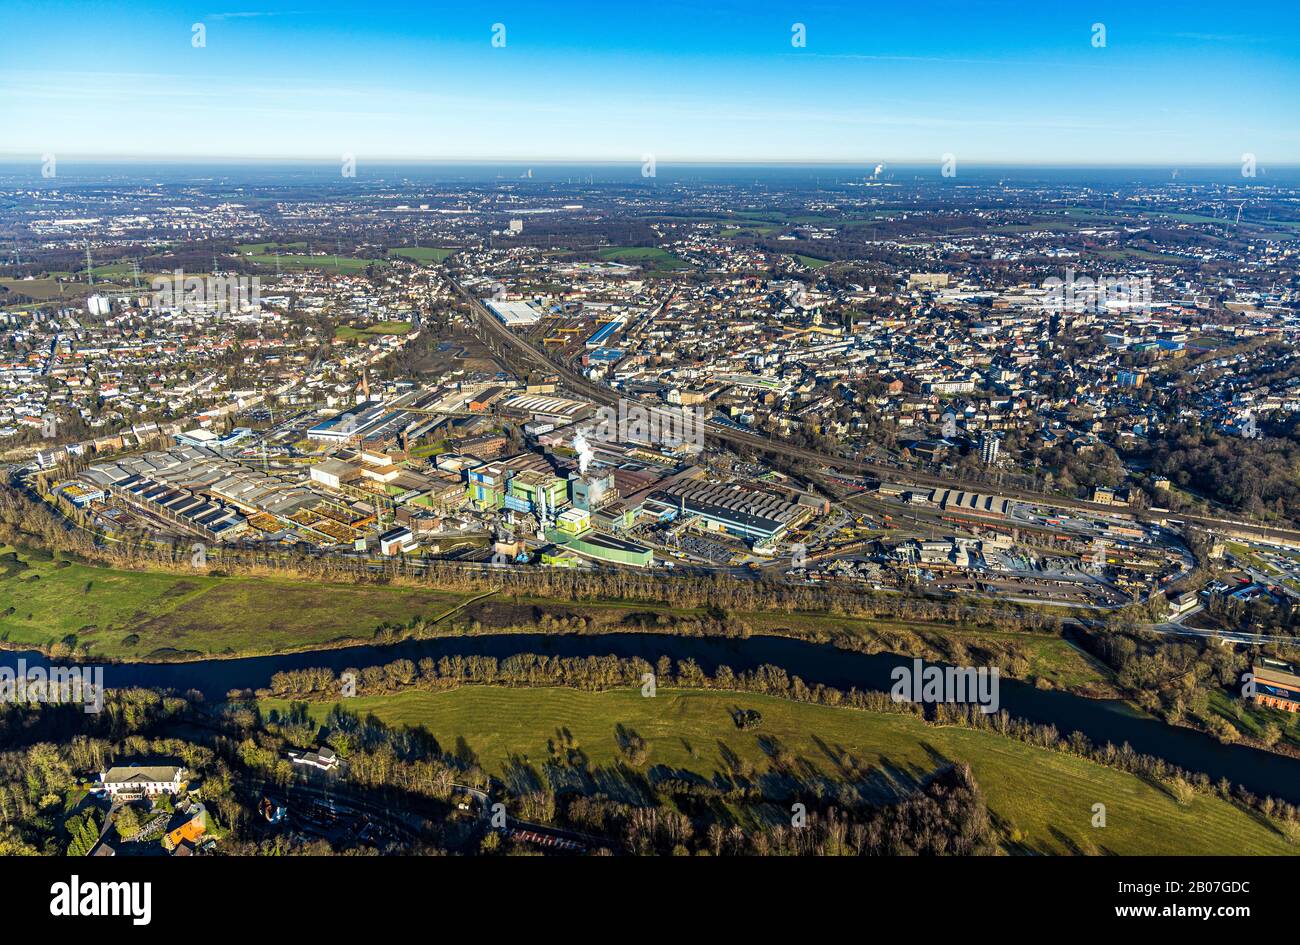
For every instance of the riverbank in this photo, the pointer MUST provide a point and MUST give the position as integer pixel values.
(1101, 721)
(64, 607)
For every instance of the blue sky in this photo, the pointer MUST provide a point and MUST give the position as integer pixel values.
(1176, 83)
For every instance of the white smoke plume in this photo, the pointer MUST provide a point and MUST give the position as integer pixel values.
(584, 451)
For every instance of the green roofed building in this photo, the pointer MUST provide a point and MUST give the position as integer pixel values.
(604, 548)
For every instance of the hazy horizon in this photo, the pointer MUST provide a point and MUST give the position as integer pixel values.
(70, 171)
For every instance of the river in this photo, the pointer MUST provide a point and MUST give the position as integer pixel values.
(1100, 720)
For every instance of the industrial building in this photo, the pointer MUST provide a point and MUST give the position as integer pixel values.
(573, 522)
(604, 548)
(558, 410)
(974, 503)
(1277, 685)
(398, 540)
(756, 517)
(371, 422)
(487, 486)
(333, 473)
(180, 507)
(515, 314)
(603, 334)
(591, 492)
(210, 440)
(534, 491)
(161, 481)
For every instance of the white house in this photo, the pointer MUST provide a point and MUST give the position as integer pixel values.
(323, 758)
(142, 780)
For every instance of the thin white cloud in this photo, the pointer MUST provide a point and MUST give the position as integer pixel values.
(252, 14)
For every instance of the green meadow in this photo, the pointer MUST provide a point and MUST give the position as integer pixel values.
(1041, 800)
(635, 255)
(142, 614)
(349, 333)
(423, 254)
(263, 255)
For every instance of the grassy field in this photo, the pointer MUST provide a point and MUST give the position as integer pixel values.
(1136, 255)
(331, 263)
(632, 255)
(348, 333)
(261, 253)
(118, 271)
(45, 289)
(1252, 719)
(258, 249)
(1248, 558)
(49, 601)
(1041, 799)
(422, 254)
(749, 231)
(39, 289)
(425, 450)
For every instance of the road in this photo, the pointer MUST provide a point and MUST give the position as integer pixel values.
(1229, 636)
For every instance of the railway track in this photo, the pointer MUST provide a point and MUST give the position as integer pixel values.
(506, 344)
